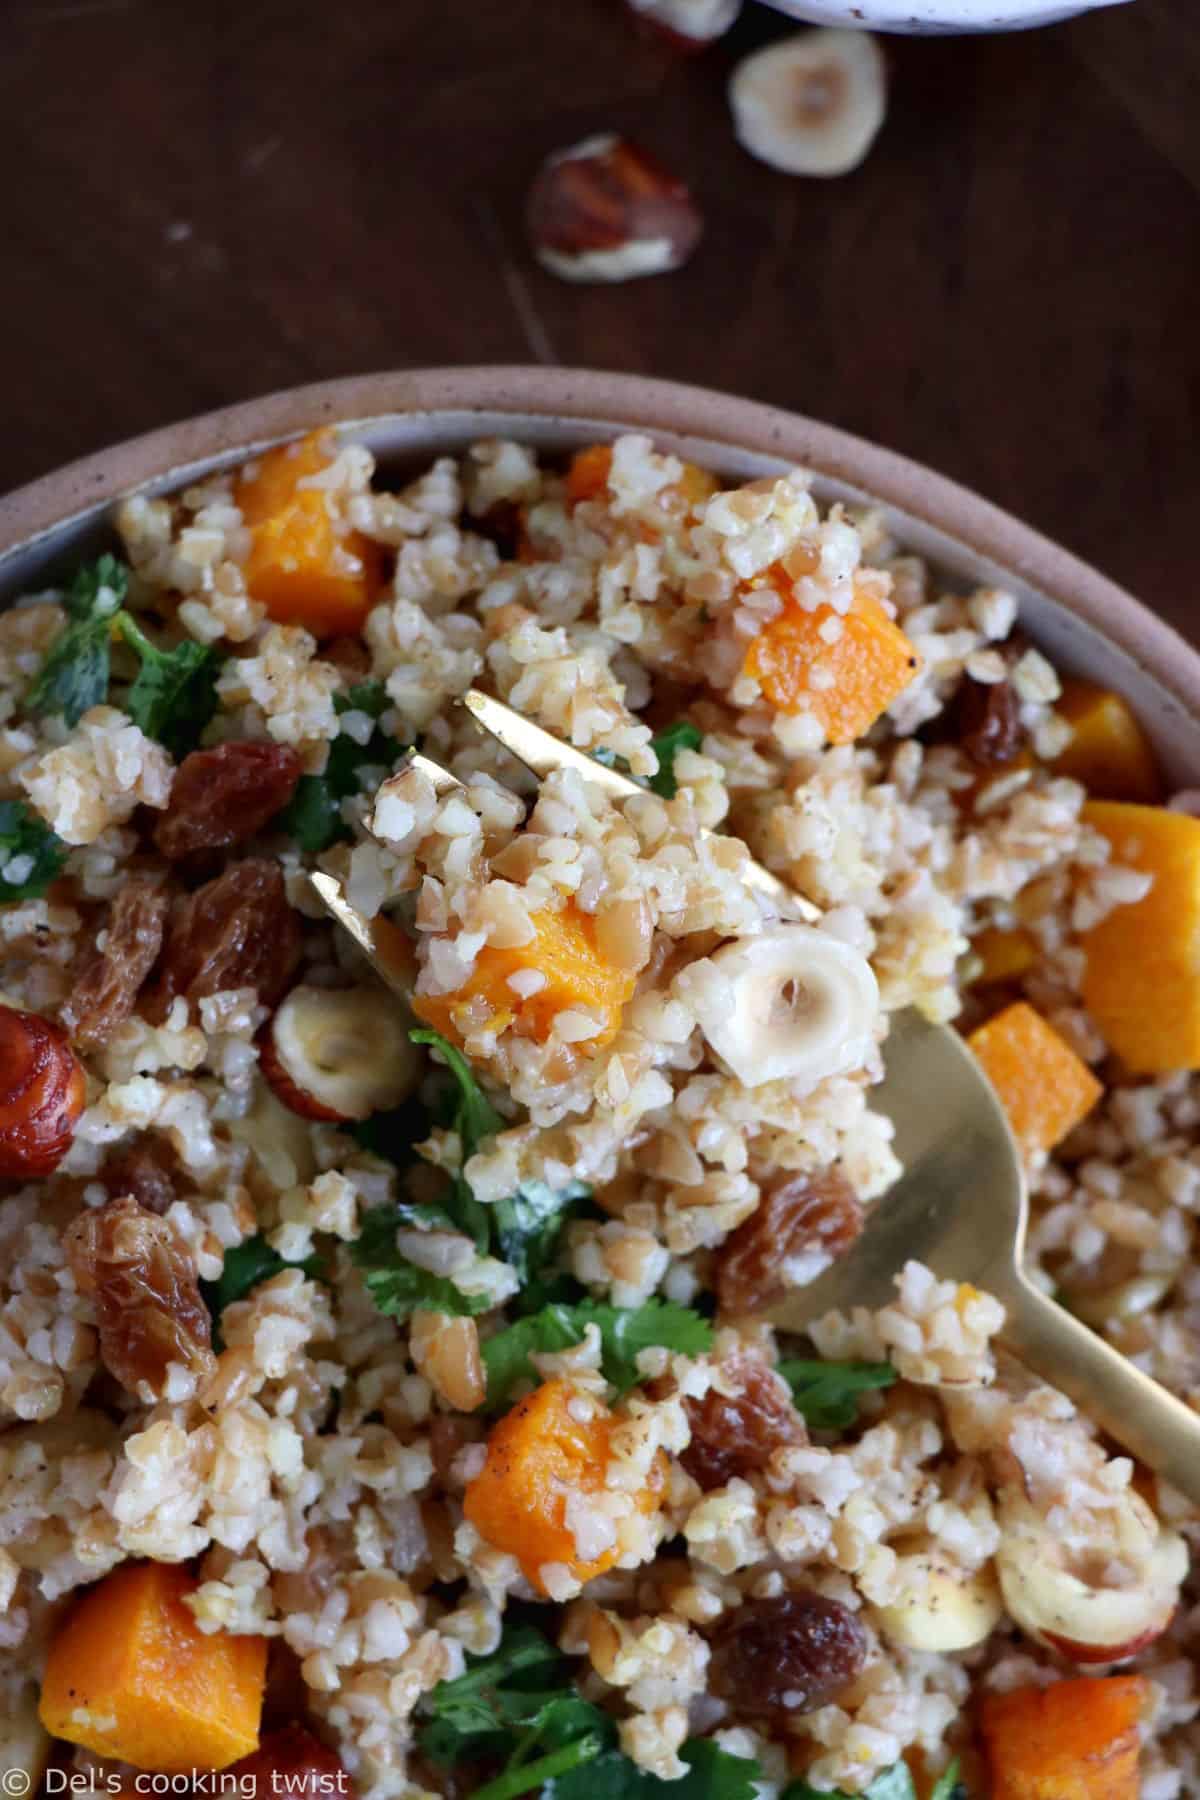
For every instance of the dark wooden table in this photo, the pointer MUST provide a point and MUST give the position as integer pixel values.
(204, 202)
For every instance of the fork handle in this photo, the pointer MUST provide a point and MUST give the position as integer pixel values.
(1142, 1416)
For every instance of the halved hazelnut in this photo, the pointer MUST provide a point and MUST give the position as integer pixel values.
(339, 1053)
(1082, 1619)
(606, 210)
(42, 1093)
(810, 104)
(687, 24)
(943, 1608)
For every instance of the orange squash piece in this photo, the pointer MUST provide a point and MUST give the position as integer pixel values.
(1043, 1086)
(302, 566)
(1004, 954)
(538, 1457)
(1076, 1740)
(845, 684)
(564, 951)
(1110, 754)
(1142, 984)
(131, 1676)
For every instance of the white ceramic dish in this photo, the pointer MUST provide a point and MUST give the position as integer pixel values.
(937, 16)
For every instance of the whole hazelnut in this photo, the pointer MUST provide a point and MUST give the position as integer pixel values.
(606, 210)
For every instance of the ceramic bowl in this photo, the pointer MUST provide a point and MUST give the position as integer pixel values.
(1085, 623)
(930, 17)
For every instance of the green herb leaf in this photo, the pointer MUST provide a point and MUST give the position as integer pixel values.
(528, 1225)
(713, 1774)
(666, 746)
(313, 816)
(403, 1289)
(827, 1392)
(74, 676)
(174, 693)
(30, 850)
(475, 1118)
(624, 1333)
(948, 1786)
(484, 1712)
(244, 1267)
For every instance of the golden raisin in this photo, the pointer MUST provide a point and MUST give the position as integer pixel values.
(149, 1311)
(225, 795)
(236, 931)
(737, 1434)
(42, 1091)
(803, 1214)
(106, 988)
(791, 1654)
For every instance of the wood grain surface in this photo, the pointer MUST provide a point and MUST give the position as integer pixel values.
(201, 203)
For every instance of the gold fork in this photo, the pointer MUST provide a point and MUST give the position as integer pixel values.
(961, 1205)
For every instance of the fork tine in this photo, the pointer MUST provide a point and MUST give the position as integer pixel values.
(542, 753)
(383, 944)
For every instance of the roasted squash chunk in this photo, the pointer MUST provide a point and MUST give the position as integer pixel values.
(844, 668)
(303, 567)
(1004, 955)
(535, 1495)
(563, 950)
(1043, 1086)
(131, 1675)
(1109, 754)
(1075, 1740)
(1142, 984)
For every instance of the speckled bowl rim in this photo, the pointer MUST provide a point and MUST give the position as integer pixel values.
(946, 520)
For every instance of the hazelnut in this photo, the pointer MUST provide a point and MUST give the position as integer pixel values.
(42, 1091)
(687, 24)
(810, 104)
(339, 1053)
(606, 210)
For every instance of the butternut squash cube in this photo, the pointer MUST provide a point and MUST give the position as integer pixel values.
(546, 1459)
(1110, 754)
(1004, 954)
(1074, 1740)
(587, 479)
(302, 567)
(1043, 1086)
(844, 668)
(564, 951)
(131, 1676)
(1142, 984)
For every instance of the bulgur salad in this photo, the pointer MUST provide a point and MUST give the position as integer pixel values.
(386, 1401)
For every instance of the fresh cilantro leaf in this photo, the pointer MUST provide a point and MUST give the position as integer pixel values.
(174, 693)
(403, 1289)
(475, 1118)
(624, 1333)
(666, 746)
(74, 675)
(948, 1786)
(313, 816)
(244, 1267)
(713, 1774)
(545, 1772)
(827, 1392)
(529, 1224)
(502, 1697)
(31, 855)
(895, 1783)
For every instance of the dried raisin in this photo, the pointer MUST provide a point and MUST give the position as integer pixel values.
(105, 989)
(149, 1312)
(818, 1213)
(141, 1174)
(237, 931)
(986, 722)
(225, 795)
(42, 1091)
(736, 1434)
(786, 1655)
